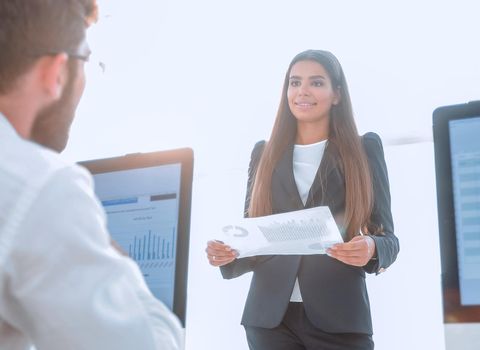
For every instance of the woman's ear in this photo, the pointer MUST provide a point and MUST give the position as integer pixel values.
(338, 96)
(53, 74)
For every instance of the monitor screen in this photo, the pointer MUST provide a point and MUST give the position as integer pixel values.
(465, 161)
(456, 132)
(147, 198)
(142, 218)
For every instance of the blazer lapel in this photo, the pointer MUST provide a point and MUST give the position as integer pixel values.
(284, 188)
(327, 165)
(283, 176)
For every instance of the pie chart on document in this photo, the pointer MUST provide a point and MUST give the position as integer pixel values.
(235, 231)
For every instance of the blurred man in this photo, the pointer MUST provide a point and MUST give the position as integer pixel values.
(62, 285)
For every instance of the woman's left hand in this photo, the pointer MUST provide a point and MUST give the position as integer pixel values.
(357, 252)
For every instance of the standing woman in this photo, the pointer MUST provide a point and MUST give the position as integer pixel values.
(315, 157)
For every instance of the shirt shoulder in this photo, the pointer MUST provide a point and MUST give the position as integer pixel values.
(32, 164)
(29, 172)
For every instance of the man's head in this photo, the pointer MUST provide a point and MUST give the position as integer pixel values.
(42, 49)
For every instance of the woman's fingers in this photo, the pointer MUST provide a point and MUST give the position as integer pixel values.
(357, 252)
(219, 254)
(218, 245)
(219, 261)
(217, 248)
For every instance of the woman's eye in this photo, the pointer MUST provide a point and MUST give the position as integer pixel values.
(317, 83)
(294, 83)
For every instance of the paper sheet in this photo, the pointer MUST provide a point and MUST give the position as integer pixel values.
(302, 232)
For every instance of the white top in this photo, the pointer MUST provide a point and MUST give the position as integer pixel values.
(306, 161)
(62, 285)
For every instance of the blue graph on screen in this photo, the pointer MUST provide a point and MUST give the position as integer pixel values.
(142, 207)
(146, 230)
(152, 249)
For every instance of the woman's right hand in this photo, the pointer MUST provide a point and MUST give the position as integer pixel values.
(220, 254)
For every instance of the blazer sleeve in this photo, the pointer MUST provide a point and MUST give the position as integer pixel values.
(240, 266)
(387, 245)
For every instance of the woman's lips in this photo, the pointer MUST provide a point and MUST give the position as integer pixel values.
(304, 105)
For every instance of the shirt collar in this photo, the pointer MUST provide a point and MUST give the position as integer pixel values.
(6, 127)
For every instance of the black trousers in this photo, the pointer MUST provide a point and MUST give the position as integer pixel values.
(296, 332)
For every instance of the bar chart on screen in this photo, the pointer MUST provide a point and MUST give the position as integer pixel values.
(154, 252)
(151, 249)
(145, 231)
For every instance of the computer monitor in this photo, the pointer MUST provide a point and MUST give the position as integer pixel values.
(147, 199)
(456, 134)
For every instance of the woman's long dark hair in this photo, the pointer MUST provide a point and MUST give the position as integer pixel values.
(342, 133)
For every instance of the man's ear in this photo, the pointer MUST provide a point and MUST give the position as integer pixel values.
(53, 74)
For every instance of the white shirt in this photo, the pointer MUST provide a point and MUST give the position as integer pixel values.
(62, 285)
(306, 161)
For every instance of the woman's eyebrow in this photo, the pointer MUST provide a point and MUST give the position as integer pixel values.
(311, 78)
(316, 77)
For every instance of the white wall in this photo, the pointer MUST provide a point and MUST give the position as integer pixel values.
(208, 74)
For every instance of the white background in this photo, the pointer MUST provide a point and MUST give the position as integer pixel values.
(208, 75)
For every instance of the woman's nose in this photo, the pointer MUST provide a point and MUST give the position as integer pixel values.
(304, 90)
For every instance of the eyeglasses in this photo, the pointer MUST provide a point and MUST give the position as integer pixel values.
(79, 57)
(82, 53)
(85, 54)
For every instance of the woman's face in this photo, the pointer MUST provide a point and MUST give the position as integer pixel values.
(310, 93)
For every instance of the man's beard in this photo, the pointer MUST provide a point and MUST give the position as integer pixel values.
(52, 124)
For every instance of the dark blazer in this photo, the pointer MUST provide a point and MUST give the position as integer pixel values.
(334, 294)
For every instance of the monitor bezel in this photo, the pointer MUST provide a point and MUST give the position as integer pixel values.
(184, 157)
(453, 310)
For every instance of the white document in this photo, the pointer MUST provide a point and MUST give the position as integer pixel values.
(302, 232)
